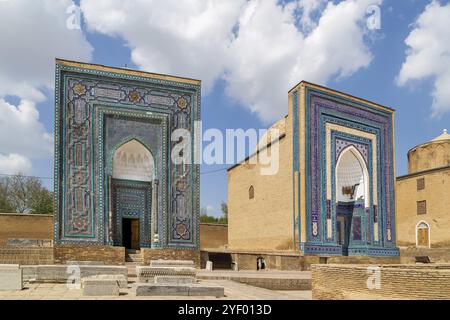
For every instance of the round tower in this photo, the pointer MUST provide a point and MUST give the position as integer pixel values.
(430, 155)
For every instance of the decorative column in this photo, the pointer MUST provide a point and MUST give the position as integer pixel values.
(110, 213)
(154, 222)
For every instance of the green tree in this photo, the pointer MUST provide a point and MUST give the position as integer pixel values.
(205, 218)
(5, 205)
(224, 208)
(41, 202)
(27, 195)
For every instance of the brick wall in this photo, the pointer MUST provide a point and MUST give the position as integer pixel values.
(436, 255)
(26, 255)
(274, 261)
(264, 222)
(295, 261)
(350, 282)
(213, 236)
(437, 184)
(107, 254)
(170, 254)
(25, 226)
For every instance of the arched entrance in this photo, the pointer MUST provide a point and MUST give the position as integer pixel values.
(133, 170)
(352, 197)
(423, 234)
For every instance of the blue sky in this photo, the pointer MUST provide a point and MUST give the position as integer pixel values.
(224, 106)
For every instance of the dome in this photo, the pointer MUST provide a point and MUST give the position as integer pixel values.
(430, 155)
(444, 136)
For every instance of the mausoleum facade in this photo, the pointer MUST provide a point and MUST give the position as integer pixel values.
(115, 183)
(333, 194)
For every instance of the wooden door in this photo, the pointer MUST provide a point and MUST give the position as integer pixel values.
(422, 237)
(135, 234)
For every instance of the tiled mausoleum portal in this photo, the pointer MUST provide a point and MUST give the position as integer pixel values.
(115, 183)
(333, 194)
(345, 198)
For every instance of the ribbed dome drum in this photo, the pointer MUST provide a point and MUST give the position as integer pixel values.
(430, 155)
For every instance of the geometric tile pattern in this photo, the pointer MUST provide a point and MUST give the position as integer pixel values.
(323, 110)
(97, 111)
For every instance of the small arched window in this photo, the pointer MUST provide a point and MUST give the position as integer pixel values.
(251, 192)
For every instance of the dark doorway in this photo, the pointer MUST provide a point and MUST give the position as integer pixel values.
(344, 225)
(130, 233)
(221, 261)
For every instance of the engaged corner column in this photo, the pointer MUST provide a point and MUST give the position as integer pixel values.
(154, 222)
(110, 215)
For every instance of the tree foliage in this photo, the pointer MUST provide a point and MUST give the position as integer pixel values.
(205, 218)
(23, 194)
(224, 208)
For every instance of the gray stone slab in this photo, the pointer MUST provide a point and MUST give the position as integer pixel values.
(86, 263)
(147, 274)
(100, 287)
(174, 280)
(61, 273)
(206, 290)
(172, 263)
(158, 289)
(121, 279)
(11, 277)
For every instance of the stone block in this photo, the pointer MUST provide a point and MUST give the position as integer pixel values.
(158, 289)
(100, 287)
(174, 280)
(86, 263)
(206, 290)
(121, 279)
(10, 277)
(172, 263)
(61, 273)
(147, 274)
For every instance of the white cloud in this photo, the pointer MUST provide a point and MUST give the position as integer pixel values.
(14, 163)
(21, 131)
(308, 8)
(271, 54)
(261, 48)
(188, 38)
(37, 35)
(428, 55)
(33, 34)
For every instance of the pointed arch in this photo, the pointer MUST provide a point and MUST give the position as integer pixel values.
(251, 192)
(132, 160)
(352, 177)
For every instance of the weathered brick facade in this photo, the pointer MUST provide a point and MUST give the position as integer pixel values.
(213, 235)
(106, 254)
(437, 214)
(264, 222)
(26, 255)
(25, 226)
(289, 261)
(350, 282)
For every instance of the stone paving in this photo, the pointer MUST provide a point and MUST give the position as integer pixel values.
(233, 291)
